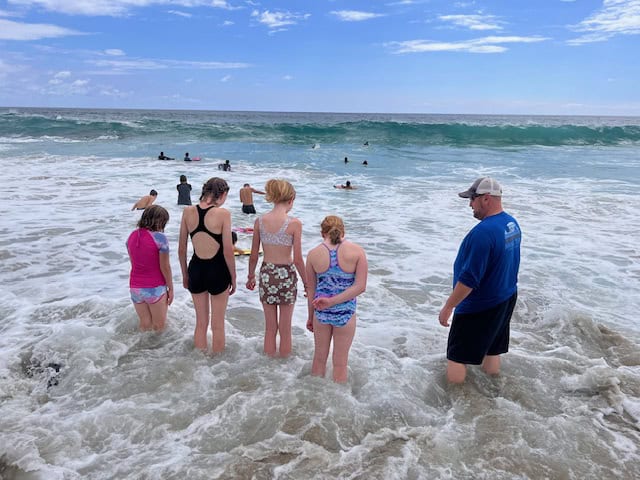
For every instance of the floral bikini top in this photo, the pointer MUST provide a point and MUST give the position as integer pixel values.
(278, 238)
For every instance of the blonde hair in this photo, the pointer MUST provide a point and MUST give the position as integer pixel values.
(333, 227)
(214, 188)
(154, 218)
(278, 191)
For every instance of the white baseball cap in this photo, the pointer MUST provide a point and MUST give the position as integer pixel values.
(481, 186)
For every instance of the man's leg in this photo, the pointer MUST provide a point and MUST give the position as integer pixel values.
(456, 372)
(491, 364)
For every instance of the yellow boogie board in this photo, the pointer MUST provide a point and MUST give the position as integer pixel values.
(244, 251)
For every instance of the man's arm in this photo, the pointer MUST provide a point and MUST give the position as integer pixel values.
(460, 292)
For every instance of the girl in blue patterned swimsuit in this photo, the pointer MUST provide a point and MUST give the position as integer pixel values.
(336, 275)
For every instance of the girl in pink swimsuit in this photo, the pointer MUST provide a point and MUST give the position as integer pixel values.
(150, 281)
(281, 238)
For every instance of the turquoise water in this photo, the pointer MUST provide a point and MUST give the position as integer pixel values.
(121, 404)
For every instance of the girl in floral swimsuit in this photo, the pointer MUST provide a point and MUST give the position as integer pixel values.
(336, 275)
(281, 237)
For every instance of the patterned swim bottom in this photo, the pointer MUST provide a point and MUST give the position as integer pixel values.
(278, 284)
(147, 295)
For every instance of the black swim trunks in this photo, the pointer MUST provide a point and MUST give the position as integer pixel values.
(248, 209)
(475, 335)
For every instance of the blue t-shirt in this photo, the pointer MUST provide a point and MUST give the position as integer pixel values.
(488, 262)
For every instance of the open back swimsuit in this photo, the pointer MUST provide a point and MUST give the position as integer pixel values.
(330, 283)
(278, 283)
(208, 274)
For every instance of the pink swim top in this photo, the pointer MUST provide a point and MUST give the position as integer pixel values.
(144, 250)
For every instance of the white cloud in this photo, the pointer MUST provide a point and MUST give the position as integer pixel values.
(10, 30)
(114, 52)
(287, 77)
(134, 64)
(354, 15)
(4, 13)
(616, 17)
(226, 78)
(60, 77)
(180, 14)
(61, 84)
(278, 19)
(222, 4)
(227, 23)
(82, 7)
(473, 22)
(114, 7)
(113, 92)
(491, 44)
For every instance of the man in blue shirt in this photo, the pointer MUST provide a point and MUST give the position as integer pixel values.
(485, 277)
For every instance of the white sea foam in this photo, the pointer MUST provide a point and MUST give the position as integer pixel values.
(84, 395)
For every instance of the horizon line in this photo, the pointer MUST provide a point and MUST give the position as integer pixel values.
(326, 112)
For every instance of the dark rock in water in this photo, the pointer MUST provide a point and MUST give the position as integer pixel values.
(33, 367)
(52, 381)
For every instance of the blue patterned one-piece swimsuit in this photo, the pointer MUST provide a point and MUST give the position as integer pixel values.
(330, 283)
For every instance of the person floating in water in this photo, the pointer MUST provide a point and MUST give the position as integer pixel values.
(226, 166)
(145, 201)
(187, 158)
(366, 144)
(346, 160)
(346, 186)
(365, 163)
(162, 156)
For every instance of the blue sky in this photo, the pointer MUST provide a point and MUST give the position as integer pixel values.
(404, 56)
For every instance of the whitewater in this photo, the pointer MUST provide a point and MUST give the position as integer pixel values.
(85, 395)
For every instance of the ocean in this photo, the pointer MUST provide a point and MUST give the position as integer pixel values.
(84, 395)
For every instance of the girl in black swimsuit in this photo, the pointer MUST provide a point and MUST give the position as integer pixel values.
(211, 273)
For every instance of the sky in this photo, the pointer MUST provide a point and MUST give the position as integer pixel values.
(546, 57)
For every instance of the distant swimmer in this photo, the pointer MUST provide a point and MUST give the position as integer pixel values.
(346, 186)
(365, 163)
(366, 144)
(187, 158)
(145, 201)
(346, 160)
(226, 166)
(315, 146)
(162, 156)
(246, 198)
